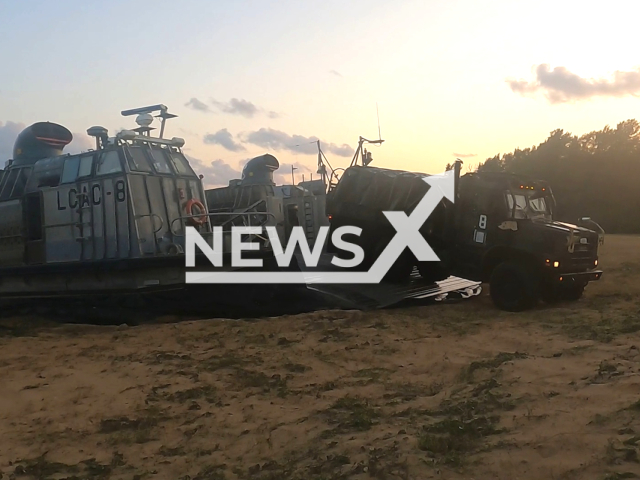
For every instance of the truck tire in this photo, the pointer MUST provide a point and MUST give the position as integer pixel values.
(565, 293)
(572, 293)
(513, 287)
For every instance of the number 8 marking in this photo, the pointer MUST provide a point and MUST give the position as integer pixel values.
(482, 223)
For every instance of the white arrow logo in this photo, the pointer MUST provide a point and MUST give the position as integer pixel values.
(407, 236)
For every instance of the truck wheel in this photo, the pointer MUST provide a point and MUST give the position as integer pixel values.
(432, 271)
(564, 293)
(549, 294)
(512, 287)
(571, 293)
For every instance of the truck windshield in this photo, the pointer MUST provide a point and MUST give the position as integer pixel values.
(527, 207)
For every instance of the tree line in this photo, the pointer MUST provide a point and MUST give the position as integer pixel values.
(595, 175)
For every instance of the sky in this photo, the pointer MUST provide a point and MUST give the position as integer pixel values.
(454, 78)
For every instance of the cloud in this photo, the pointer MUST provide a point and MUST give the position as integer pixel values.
(224, 139)
(8, 133)
(465, 155)
(282, 176)
(196, 104)
(277, 140)
(336, 73)
(216, 173)
(237, 106)
(562, 86)
(81, 143)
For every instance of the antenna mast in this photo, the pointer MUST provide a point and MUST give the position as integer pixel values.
(378, 114)
(363, 153)
(146, 119)
(360, 152)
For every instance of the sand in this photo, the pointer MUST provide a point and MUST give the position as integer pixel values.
(448, 391)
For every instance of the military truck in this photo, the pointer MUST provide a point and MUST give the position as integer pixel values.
(304, 205)
(499, 230)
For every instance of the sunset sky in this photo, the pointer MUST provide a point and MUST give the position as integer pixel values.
(451, 78)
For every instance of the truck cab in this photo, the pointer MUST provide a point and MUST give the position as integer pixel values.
(505, 234)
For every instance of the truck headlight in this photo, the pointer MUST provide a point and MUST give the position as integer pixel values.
(556, 264)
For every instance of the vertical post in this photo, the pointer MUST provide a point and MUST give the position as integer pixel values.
(457, 167)
(293, 180)
(354, 161)
(164, 119)
(322, 169)
(451, 210)
(319, 156)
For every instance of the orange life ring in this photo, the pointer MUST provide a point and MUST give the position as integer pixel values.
(199, 220)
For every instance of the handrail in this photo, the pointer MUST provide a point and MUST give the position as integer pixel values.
(70, 224)
(235, 214)
(244, 212)
(206, 235)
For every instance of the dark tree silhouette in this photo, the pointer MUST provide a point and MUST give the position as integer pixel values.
(596, 175)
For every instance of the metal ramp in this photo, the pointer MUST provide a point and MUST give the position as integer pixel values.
(373, 296)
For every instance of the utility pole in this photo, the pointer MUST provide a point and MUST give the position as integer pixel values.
(293, 180)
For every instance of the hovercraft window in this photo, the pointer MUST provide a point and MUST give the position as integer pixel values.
(8, 185)
(180, 164)
(86, 164)
(21, 182)
(76, 167)
(109, 163)
(70, 170)
(159, 161)
(15, 184)
(137, 160)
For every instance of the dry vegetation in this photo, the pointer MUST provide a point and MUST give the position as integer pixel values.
(442, 391)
